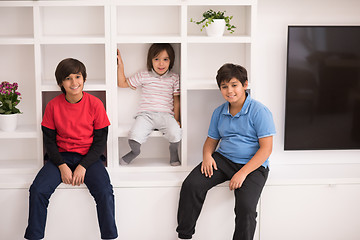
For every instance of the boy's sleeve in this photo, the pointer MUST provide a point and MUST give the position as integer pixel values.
(52, 150)
(97, 148)
(264, 123)
(48, 118)
(135, 80)
(101, 118)
(213, 131)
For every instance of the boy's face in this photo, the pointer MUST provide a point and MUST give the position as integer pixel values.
(73, 84)
(233, 91)
(161, 63)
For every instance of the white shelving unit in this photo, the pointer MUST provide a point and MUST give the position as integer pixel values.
(36, 35)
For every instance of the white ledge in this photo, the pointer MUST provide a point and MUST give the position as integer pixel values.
(279, 176)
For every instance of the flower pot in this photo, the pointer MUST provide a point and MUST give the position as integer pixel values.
(216, 28)
(8, 122)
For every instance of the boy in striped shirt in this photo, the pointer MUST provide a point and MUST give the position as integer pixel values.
(159, 104)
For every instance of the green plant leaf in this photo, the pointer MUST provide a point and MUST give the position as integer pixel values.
(210, 15)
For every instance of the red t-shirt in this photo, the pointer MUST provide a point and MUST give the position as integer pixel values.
(75, 123)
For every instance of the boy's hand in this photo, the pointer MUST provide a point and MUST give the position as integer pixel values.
(66, 174)
(121, 79)
(207, 166)
(119, 59)
(237, 180)
(78, 175)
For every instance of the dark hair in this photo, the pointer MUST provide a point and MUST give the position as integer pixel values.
(155, 49)
(229, 71)
(66, 67)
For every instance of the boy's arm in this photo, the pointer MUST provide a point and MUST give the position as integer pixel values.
(52, 150)
(122, 81)
(208, 161)
(97, 148)
(255, 162)
(177, 108)
(49, 138)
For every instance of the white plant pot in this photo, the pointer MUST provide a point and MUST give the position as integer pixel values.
(8, 122)
(216, 28)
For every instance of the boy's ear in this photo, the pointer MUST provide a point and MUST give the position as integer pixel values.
(246, 83)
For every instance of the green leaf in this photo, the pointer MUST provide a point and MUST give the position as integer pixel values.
(208, 17)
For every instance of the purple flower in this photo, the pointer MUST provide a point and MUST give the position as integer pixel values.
(8, 93)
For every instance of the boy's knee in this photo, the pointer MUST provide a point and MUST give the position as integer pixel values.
(190, 186)
(104, 192)
(245, 206)
(33, 190)
(38, 193)
(174, 135)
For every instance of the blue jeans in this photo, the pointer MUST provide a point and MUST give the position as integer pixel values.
(48, 179)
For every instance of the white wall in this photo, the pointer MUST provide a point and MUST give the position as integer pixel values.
(273, 18)
(285, 210)
(310, 206)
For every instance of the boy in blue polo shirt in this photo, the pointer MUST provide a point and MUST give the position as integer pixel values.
(244, 129)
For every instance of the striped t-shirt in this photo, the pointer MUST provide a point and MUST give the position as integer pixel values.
(157, 91)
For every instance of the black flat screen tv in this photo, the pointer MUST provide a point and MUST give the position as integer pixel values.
(322, 107)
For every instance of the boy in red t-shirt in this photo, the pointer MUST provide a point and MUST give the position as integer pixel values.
(75, 129)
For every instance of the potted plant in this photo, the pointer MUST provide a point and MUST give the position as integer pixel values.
(215, 23)
(9, 99)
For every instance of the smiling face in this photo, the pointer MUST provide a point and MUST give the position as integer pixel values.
(161, 63)
(233, 91)
(73, 85)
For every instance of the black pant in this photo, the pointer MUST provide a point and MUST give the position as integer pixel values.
(196, 186)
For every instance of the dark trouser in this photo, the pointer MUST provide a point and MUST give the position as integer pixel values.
(196, 186)
(96, 179)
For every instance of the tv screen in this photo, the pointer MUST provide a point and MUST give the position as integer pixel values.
(322, 110)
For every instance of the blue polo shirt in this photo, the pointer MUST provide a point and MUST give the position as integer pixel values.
(239, 135)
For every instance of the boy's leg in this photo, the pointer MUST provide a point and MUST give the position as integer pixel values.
(42, 188)
(174, 154)
(171, 130)
(192, 197)
(98, 182)
(138, 134)
(246, 200)
(135, 151)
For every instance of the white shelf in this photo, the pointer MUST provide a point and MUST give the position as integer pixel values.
(223, 2)
(73, 40)
(71, 20)
(22, 131)
(148, 39)
(36, 35)
(16, 40)
(223, 39)
(150, 163)
(147, 3)
(16, 21)
(18, 164)
(130, 178)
